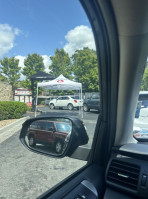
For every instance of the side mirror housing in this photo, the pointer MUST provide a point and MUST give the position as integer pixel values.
(69, 133)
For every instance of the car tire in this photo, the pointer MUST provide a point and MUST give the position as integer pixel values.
(51, 106)
(70, 107)
(32, 141)
(58, 146)
(85, 108)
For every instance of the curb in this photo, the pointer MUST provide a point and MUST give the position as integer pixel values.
(9, 126)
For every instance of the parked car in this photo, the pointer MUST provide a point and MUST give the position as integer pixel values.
(48, 100)
(65, 102)
(48, 132)
(143, 96)
(142, 102)
(92, 102)
(138, 109)
(140, 134)
(76, 97)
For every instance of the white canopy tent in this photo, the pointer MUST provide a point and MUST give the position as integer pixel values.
(60, 83)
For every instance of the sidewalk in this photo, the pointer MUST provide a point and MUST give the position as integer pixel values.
(9, 130)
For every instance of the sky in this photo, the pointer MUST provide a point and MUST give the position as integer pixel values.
(41, 26)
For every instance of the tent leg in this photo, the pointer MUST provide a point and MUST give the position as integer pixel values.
(81, 106)
(36, 101)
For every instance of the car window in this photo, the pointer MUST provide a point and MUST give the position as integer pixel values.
(95, 97)
(140, 128)
(60, 98)
(41, 125)
(76, 97)
(66, 98)
(33, 125)
(49, 125)
(63, 127)
(52, 37)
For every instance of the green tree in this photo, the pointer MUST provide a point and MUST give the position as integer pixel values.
(61, 63)
(10, 71)
(85, 68)
(33, 64)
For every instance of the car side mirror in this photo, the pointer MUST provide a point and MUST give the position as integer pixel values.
(69, 134)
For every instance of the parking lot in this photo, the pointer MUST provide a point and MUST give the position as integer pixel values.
(25, 174)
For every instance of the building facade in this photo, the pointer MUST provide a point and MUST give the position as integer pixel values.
(6, 93)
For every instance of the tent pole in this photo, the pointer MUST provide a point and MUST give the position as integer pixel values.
(81, 106)
(36, 100)
(80, 99)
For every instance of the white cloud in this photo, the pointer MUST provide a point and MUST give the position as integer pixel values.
(21, 64)
(7, 37)
(78, 38)
(21, 60)
(47, 62)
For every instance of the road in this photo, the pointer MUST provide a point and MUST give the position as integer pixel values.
(26, 175)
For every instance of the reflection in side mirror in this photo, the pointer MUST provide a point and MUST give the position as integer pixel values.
(51, 129)
(54, 136)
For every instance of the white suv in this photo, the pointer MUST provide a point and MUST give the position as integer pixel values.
(65, 101)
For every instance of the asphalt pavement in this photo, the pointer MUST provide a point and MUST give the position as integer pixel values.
(26, 175)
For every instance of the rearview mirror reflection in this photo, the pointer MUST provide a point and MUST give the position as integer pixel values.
(49, 135)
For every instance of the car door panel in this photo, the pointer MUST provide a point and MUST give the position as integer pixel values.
(112, 194)
(50, 132)
(65, 101)
(94, 103)
(39, 132)
(48, 136)
(72, 187)
(58, 102)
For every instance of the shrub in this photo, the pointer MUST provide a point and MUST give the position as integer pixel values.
(12, 110)
(29, 108)
(29, 104)
(42, 102)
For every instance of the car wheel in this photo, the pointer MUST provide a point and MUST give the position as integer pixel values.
(32, 141)
(51, 106)
(70, 107)
(58, 146)
(85, 108)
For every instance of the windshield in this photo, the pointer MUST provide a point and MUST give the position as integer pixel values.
(62, 127)
(76, 97)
